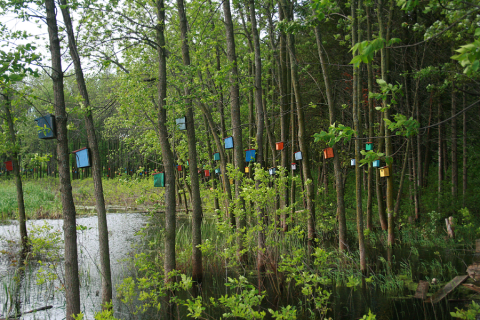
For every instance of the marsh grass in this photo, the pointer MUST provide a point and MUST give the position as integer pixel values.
(41, 199)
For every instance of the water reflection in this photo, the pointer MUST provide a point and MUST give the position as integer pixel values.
(122, 229)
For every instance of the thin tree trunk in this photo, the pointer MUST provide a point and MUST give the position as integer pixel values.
(440, 158)
(464, 139)
(237, 126)
(261, 256)
(370, 127)
(72, 284)
(16, 172)
(96, 166)
(197, 214)
(454, 147)
(301, 140)
(169, 167)
(356, 95)
(402, 179)
(342, 222)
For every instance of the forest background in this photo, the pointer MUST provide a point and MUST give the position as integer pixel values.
(322, 89)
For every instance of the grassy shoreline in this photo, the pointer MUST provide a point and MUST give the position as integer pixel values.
(42, 197)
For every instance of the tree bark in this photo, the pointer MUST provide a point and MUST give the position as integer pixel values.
(342, 227)
(96, 165)
(356, 95)
(301, 139)
(168, 163)
(72, 285)
(454, 146)
(16, 172)
(237, 126)
(464, 140)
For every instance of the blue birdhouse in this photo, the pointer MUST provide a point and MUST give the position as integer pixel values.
(217, 171)
(83, 158)
(159, 179)
(298, 155)
(182, 123)
(47, 129)
(376, 164)
(369, 146)
(272, 171)
(250, 155)
(352, 162)
(228, 142)
(216, 156)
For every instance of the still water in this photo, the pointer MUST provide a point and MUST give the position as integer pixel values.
(122, 229)
(344, 303)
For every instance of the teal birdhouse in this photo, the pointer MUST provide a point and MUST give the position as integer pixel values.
(159, 180)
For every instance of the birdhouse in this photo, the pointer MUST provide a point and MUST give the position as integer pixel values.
(298, 155)
(231, 181)
(182, 123)
(247, 169)
(328, 153)
(228, 142)
(369, 146)
(159, 179)
(83, 158)
(272, 171)
(384, 172)
(279, 145)
(47, 129)
(352, 162)
(216, 156)
(217, 171)
(179, 167)
(9, 165)
(294, 166)
(250, 155)
(207, 173)
(376, 164)
(188, 162)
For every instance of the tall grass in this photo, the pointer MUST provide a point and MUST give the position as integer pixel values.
(41, 199)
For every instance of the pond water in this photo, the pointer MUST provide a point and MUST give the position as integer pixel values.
(345, 302)
(122, 228)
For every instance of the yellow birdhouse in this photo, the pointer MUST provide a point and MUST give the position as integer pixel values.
(384, 172)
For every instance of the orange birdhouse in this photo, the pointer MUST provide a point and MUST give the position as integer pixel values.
(328, 153)
(279, 145)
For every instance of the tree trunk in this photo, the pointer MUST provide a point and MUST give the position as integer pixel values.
(454, 146)
(96, 165)
(356, 98)
(464, 139)
(402, 179)
(168, 163)
(342, 222)
(301, 140)
(236, 124)
(370, 127)
(72, 285)
(440, 158)
(261, 263)
(16, 172)
(197, 214)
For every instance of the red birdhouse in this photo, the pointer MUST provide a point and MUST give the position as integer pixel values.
(9, 165)
(279, 145)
